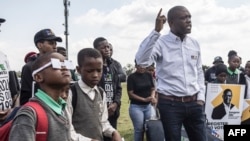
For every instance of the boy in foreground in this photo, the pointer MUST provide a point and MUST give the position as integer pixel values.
(90, 115)
(51, 73)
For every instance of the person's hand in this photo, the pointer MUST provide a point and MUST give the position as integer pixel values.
(160, 21)
(112, 108)
(148, 99)
(116, 136)
(200, 102)
(154, 101)
(4, 114)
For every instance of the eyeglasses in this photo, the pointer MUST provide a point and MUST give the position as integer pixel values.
(56, 64)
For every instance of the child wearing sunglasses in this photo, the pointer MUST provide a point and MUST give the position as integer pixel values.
(51, 73)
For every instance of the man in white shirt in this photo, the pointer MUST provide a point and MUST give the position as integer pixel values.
(180, 84)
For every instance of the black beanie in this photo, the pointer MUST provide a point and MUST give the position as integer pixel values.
(220, 68)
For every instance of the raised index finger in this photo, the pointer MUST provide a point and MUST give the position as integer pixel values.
(159, 14)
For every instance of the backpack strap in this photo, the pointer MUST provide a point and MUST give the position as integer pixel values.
(42, 121)
(101, 91)
(74, 95)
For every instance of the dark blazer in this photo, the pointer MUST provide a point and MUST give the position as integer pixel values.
(219, 111)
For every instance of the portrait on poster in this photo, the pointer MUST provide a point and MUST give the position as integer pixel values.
(224, 105)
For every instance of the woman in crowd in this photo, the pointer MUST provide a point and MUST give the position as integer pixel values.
(141, 92)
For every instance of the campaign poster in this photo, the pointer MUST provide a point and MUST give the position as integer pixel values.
(5, 95)
(245, 119)
(224, 105)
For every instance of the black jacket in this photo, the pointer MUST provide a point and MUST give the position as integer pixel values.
(26, 83)
(118, 66)
(117, 89)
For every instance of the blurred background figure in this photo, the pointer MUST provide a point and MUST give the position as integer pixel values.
(62, 51)
(45, 41)
(210, 75)
(151, 69)
(30, 56)
(241, 68)
(233, 73)
(141, 92)
(221, 74)
(120, 71)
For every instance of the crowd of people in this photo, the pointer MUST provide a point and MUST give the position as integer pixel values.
(232, 73)
(48, 78)
(180, 80)
(88, 108)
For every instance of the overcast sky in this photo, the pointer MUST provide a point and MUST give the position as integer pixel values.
(218, 25)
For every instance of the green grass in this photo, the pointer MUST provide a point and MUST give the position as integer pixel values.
(125, 126)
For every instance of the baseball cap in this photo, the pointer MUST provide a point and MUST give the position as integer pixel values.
(46, 34)
(218, 59)
(2, 20)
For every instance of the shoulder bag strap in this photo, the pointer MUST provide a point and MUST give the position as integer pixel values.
(42, 121)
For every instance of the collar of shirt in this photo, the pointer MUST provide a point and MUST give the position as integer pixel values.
(175, 38)
(233, 72)
(55, 106)
(227, 107)
(88, 90)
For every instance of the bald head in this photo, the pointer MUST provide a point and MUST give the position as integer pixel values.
(179, 20)
(173, 12)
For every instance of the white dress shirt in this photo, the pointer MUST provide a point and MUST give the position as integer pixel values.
(178, 64)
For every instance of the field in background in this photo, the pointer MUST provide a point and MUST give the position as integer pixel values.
(125, 126)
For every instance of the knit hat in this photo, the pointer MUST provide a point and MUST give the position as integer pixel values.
(220, 68)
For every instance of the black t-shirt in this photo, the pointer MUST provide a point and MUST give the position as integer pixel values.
(141, 84)
(107, 84)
